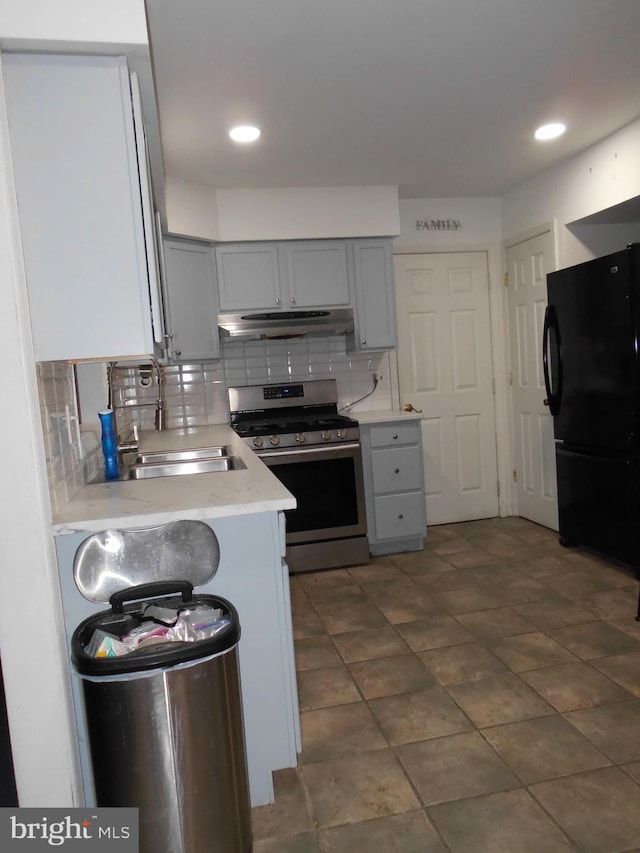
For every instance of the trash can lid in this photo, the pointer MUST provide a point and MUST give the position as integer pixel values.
(157, 653)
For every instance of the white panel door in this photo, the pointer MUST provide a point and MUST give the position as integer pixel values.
(445, 369)
(528, 263)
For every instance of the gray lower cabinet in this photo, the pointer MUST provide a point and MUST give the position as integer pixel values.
(191, 301)
(394, 485)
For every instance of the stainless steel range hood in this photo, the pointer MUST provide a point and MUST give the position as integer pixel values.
(286, 324)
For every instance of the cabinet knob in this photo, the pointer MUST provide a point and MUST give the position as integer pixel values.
(293, 300)
(401, 515)
(363, 341)
(396, 470)
(178, 352)
(277, 300)
(395, 437)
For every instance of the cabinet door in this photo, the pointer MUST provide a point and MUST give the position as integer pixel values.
(191, 301)
(151, 237)
(248, 277)
(317, 273)
(374, 296)
(76, 173)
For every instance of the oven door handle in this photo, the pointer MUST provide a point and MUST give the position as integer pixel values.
(307, 451)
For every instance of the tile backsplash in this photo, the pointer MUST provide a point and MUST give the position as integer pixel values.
(60, 429)
(195, 395)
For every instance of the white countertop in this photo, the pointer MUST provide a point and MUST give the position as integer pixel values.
(138, 503)
(385, 415)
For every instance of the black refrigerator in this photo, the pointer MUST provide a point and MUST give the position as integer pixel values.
(590, 359)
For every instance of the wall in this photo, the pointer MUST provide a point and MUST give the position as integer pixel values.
(77, 21)
(604, 176)
(450, 222)
(35, 662)
(192, 210)
(279, 214)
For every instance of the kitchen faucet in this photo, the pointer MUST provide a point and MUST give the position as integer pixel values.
(160, 421)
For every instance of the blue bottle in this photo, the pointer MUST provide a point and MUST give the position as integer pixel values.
(109, 445)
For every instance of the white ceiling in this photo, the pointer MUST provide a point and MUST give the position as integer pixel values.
(439, 97)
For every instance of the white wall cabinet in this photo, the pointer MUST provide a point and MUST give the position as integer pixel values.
(373, 295)
(77, 165)
(283, 276)
(191, 301)
(394, 485)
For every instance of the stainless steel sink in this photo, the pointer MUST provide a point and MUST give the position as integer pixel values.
(173, 463)
(189, 455)
(171, 467)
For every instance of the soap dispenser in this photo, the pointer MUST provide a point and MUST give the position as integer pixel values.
(109, 445)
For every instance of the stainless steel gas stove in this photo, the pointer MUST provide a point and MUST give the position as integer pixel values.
(296, 430)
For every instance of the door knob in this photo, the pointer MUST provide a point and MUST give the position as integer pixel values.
(409, 407)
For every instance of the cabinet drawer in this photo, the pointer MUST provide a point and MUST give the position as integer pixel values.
(384, 436)
(396, 469)
(397, 516)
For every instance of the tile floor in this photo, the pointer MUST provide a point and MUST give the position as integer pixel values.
(481, 695)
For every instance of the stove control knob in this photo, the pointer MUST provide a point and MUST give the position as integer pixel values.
(342, 433)
(325, 435)
(275, 439)
(258, 442)
(300, 438)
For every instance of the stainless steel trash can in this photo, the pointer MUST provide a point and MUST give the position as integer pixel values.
(165, 727)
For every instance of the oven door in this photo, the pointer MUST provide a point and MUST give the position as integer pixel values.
(328, 486)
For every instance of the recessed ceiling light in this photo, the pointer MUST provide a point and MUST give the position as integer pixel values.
(550, 131)
(244, 133)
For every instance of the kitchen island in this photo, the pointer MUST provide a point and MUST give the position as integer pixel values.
(245, 510)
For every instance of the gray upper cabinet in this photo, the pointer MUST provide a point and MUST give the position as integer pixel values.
(299, 274)
(76, 157)
(248, 277)
(191, 301)
(373, 295)
(316, 274)
(282, 276)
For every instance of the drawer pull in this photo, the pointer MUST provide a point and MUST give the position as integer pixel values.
(401, 515)
(395, 436)
(396, 470)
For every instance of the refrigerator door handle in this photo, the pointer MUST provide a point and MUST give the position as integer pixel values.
(550, 331)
